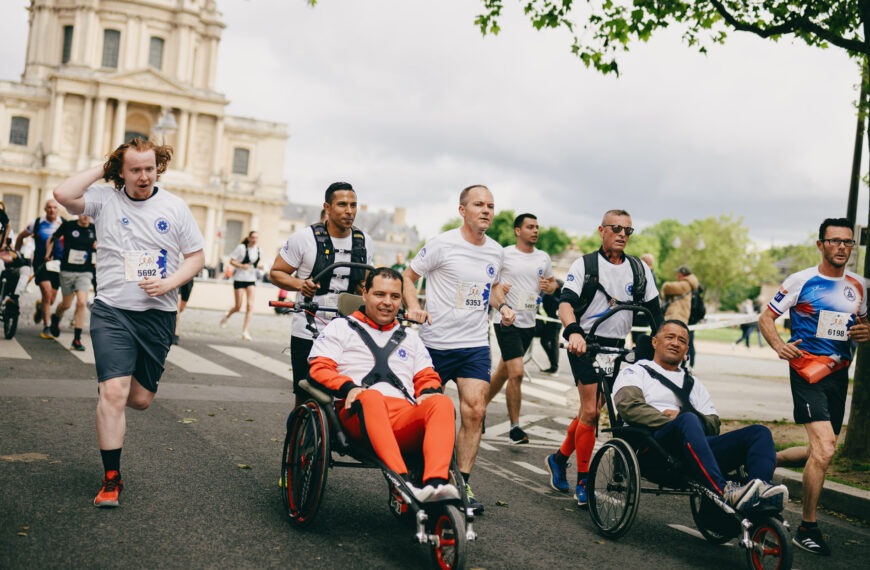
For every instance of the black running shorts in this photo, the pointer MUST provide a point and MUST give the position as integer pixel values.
(513, 342)
(820, 402)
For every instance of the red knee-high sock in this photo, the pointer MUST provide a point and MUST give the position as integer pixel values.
(567, 447)
(584, 442)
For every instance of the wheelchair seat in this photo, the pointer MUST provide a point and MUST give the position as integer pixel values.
(657, 465)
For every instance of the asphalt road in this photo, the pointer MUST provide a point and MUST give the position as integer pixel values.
(201, 467)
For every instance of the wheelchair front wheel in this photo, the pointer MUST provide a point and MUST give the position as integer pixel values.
(448, 547)
(10, 319)
(613, 488)
(771, 546)
(304, 463)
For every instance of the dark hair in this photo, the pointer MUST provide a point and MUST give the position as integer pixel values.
(385, 272)
(835, 222)
(677, 322)
(336, 187)
(245, 241)
(114, 164)
(684, 270)
(518, 221)
(463, 196)
(614, 213)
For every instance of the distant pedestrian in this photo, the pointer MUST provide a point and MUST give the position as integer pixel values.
(142, 233)
(549, 331)
(678, 303)
(183, 297)
(46, 275)
(245, 258)
(746, 329)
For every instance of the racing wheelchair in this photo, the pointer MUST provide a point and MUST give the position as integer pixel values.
(315, 442)
(632, 462)
(9, 307)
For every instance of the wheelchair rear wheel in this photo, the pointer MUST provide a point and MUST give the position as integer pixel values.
(10, 318)
(304, 463)
(771, 545)
(448, 549)
(613, 488)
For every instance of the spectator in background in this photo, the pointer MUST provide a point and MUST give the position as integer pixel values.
(640, 319)
(678, 302)
(549, 330)
(244, 259)
(748, 307)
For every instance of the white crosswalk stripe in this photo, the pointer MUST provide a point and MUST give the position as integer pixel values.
(87, 356)
(191, 362)
(13, 349)
(277, 367)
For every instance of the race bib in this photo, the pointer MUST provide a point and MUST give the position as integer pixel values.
(53, 265)
(77, 257)
(832, 325)
(139, 265)
(470, 296)
(529, 301)
(605, 362)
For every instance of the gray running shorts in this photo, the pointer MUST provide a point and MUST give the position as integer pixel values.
(72, 281)
(131, 343)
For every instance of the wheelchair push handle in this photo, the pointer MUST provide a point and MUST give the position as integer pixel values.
(334, 266)
(615, 309)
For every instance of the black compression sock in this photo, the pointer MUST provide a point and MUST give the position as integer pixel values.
(78, 334)
(111, 459)
(465, 476)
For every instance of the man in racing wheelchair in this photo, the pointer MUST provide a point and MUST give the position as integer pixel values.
(661, 396)
(392, 396)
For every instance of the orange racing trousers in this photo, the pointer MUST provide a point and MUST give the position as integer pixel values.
(394, 425)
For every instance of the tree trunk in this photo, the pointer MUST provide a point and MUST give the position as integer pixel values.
(857, 444)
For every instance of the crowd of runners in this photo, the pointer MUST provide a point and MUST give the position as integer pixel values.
(148, 245)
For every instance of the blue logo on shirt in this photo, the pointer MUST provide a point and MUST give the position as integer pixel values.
(540, 272)
(125, 221)
(422, 253)
(402, 354)
(162, 225)
(629, 287)
(849, 293)
(779, 296)
(570, 277)
(490, 270)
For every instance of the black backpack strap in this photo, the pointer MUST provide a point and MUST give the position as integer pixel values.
(247, 258)
(381, 371)
(325, 256)
(683, 394)
(358, 254)
(590, 284)
(638, 288)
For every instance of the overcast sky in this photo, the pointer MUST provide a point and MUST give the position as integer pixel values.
(408, 102)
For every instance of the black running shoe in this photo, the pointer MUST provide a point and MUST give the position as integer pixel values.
(810, 539)
(55, 326)
(518, 436)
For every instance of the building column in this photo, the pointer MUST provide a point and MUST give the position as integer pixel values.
(56, 124)
(190, 143)
(86, 130)
(120, 123)
(217, 163)
(212, 62)
(99, 127)
(180, 154)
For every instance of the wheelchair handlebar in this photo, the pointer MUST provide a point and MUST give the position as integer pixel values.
(615, 309)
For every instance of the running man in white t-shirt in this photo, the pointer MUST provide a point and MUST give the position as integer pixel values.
(244, 258)
(616, 281)
(143, 233)
(461, 267)
(306, 253)
(527, 273)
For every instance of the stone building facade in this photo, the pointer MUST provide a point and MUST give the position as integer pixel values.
(99, 72)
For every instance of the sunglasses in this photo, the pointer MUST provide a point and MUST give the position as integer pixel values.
(836, 242)
(617, 228)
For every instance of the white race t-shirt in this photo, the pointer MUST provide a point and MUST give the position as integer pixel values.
(522, 271)
(138, 239)
(459, 279)
(657, 394)
(300, 251)
(345, 347)
(246, 275)
(618, 281)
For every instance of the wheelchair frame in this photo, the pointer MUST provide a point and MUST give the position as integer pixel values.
(614, 484)
(314, 437)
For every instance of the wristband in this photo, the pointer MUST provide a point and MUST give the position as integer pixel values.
(571, 329)
(503, 305)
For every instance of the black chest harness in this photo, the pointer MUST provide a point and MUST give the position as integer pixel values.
(381, 371)
(326, 257)
(682, 394)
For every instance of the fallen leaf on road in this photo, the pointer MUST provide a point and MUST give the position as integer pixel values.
(22, 534)
(243, 466)
(249, 419)
(187, 420)
(24, 457)
(501, 504)
(211, 415)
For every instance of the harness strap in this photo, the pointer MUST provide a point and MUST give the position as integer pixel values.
(381, 371)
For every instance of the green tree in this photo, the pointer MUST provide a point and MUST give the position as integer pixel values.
(502, 228)
(602, 29)
(553, 239)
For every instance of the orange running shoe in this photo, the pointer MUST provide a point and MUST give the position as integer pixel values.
(110, 491)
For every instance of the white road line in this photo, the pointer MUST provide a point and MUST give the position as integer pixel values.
(540, 432)
(504, 427)
(694, 532)
(488, 447)
(530, 467)
(277, 367)
(544, 395)
(557, 387)
(191, 362)
(11, 349)
(65, 340)
(563, 421)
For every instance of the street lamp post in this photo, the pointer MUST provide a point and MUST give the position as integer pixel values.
(165, 124)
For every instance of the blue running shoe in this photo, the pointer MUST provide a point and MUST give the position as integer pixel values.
(580, 493)
(558, 481)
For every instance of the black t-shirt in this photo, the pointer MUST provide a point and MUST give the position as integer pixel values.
(78, 246)
(4, 223)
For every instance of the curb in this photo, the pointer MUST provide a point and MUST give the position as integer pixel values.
(849, 501)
